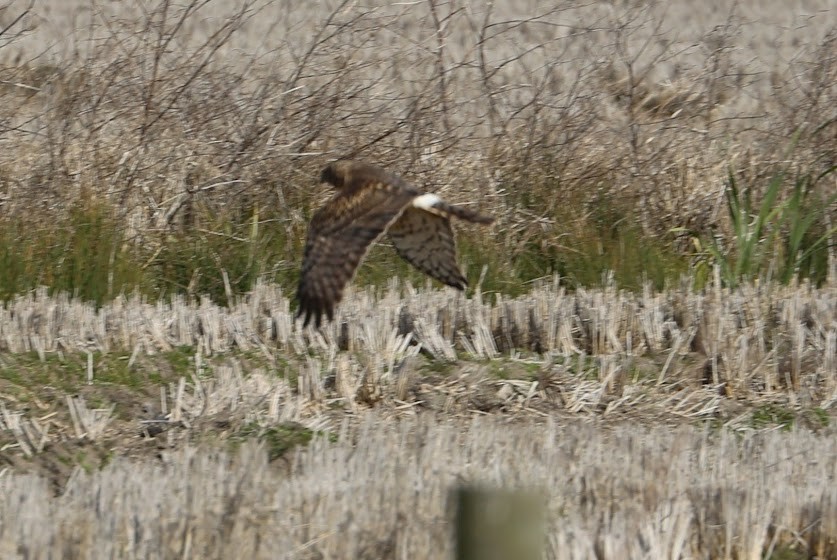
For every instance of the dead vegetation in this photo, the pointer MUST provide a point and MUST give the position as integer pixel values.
(599, 134)
(751, 340)
(625, 492)
(748, 361)
(159, 160)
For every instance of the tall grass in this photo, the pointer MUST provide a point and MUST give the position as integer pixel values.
(777, 237)
(129, 164)
(84, 254)
(89, 255)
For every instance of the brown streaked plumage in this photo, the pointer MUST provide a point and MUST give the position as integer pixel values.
(370, 202)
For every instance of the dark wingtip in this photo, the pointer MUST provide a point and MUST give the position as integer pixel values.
(312, 312)
(303, 312)
(460, 283)
(308, 315)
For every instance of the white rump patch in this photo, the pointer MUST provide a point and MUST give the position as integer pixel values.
(426, 201)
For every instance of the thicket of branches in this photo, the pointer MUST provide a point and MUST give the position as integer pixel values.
(175, 146)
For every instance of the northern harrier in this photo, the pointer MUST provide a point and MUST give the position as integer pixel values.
(370, 202)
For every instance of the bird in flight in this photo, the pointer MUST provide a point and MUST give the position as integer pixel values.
(370, 202)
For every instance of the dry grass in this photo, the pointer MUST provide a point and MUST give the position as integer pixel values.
(735, 362)
(381, 492)
(181, 141)
(202, 117)
(748, 341)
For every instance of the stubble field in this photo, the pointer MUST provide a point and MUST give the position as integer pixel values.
(667, 384)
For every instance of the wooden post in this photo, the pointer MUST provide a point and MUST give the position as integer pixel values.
(494, 524)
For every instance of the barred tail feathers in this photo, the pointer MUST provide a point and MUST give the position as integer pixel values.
(432, 203)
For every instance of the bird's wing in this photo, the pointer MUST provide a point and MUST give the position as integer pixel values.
(339, 236)
(426, 241)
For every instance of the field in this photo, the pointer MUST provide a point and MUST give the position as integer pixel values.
(650, 335)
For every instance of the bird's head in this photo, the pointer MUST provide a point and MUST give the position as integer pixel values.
(337, 173)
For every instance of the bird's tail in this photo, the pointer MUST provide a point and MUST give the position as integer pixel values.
(462, 213)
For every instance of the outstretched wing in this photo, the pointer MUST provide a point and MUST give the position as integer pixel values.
(426, 241)
(339, 236)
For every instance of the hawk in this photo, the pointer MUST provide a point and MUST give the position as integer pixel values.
(370, 202)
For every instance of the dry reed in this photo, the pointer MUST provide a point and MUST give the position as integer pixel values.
(193, 116)
(593, 352)
(181, 116)
(626, 492)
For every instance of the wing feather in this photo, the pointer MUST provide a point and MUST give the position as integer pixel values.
(339, 237)
(426, 240)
